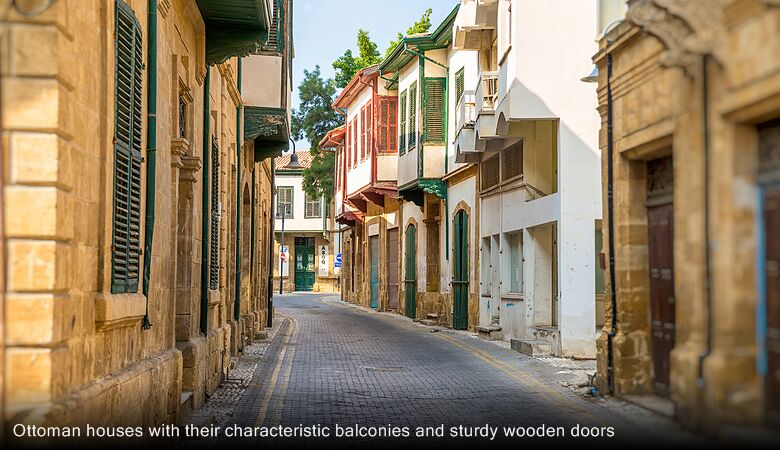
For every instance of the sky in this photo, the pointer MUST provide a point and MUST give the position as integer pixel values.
(324, 29)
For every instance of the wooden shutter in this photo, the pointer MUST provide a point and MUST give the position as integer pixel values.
(459, 84)
(214, 256)
(402, 125)
(369, 127)
(348, 144)
(412, 132)
(126, 234)
(434, 109)
(388, 125)
(362, 133)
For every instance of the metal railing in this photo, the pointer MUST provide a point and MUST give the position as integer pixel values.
(487, 91)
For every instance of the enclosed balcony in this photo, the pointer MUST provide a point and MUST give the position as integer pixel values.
(475, 24)
(465, 140)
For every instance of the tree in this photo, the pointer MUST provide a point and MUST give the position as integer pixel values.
(347, 65)
(421, 26)
(312, 120)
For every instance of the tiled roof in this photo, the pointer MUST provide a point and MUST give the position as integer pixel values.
(304, 157)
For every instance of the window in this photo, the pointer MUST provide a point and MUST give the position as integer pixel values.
(512, 162)
(459, 84)
(434, 92)
(284, 202)
(485, 268)
(215, 212)
(388, 127)
(182, 117)
(363, 133)
(354, 142)
(126, 232)
(515, 241)
(369, 125)
(490, 172)
(402, 125)
(348, 144)
(313, 208)
(412, 133)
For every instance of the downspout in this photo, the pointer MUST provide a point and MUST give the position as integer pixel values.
(707, 274)
(206, 211)
(611, 233)
(271, 220)
(151, 153)
(239, 204)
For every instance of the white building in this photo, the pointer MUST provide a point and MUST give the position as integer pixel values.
(533, 128)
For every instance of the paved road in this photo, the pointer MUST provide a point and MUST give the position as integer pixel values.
(334, 364)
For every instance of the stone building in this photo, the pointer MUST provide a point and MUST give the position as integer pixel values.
(310, 241)
(137, 202)
(689, 96)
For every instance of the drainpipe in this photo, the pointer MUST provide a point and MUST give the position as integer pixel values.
(151, 153)
(206, 211)
(611, 233)
(239, 203)
(707, 275)
(271, 220)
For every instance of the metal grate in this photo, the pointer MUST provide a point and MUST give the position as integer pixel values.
(490, 172)
(512, 165)
(214, 250)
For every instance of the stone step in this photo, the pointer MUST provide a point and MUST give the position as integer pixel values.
(185, 403)
(432, 316)
(531, 347)
(490, 332)
(429, 322)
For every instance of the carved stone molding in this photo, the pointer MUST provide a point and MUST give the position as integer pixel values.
(191, 165)
(688, 29)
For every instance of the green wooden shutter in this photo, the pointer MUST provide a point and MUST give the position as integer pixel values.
(412, 132)
(434, 110)
(128, 92)
(214, 251)
(402, 125)
(459, 84)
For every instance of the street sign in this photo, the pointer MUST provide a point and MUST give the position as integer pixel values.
(337, 261)
(323, 272)
(283, 261)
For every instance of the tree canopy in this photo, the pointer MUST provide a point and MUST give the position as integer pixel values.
(423, 25)
(312, 120)
(347, 65)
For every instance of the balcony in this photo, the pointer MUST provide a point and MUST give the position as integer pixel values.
(487, 92)
(475, 25)
(465, 141)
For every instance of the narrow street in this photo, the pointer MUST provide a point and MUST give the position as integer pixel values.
(332, 363)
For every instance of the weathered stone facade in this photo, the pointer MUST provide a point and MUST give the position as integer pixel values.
(76, 352)
(694, 81)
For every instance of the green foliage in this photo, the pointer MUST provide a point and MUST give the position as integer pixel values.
(423, 25)
(314, 118)
(347, 65)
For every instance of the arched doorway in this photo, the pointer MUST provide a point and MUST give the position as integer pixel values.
(410, 275)
(460, 272)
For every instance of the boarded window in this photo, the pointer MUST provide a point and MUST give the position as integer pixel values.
(412, 132)
(432, 256)
(402, 124)
(388, 126)
(434, 109)
(490, 172)
(313, 208)
(126, 232)
(515, 241)
(512, 165)
(215, 212)
(459, 84)
(284, 202)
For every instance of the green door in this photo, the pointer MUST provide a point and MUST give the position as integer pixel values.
(374, 271)
(410, 277)
(304, 263)
(460, 279)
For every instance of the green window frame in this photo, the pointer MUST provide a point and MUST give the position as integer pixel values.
(412, 132)
(313, 207)
(434, 109)
(459, 84)
(214, 250)
(285, 201)
(128, 93)
(402, 125)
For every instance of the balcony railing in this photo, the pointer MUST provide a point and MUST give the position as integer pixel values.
(467, 109)
(487, 91)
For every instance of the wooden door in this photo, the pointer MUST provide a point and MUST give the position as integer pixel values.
(410, 276)
(660, 220)
(771, 292)
(460, 279)
(374, 243)
(304, 264)
(392, 268)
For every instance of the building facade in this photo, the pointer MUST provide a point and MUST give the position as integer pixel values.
(133, 195)
(688, 96)
(310, 242)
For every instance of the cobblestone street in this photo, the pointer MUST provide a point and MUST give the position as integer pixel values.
(328, 363)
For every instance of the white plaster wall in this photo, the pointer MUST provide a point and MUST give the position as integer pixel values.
(469, 61)
(407, 163)
(360, 176)
(261, 81)
(298, 222)
(387, 167)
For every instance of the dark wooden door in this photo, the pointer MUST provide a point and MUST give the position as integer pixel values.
(410, 276)
(374, 243)
(771, 288)
(460, 279)
(660, 220)
(392, 268)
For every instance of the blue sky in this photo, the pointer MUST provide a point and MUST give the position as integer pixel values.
(324, 29)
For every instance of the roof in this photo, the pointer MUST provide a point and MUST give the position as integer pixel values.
(304, 157)
(333, 138)
(356, 86)
(441, 37)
